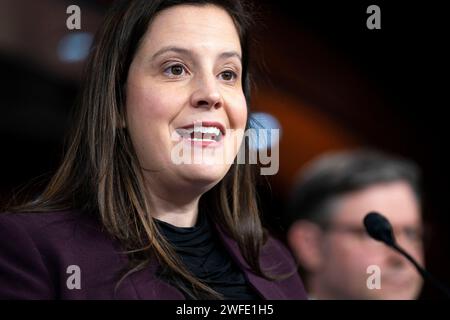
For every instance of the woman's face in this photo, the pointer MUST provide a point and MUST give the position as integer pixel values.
(186, 75)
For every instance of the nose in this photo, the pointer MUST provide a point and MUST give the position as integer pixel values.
(413, 247)
(393, 259)
(206, 93)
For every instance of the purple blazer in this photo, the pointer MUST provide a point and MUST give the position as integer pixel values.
(40, 253)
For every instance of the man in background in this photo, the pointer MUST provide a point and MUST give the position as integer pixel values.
(326, 232)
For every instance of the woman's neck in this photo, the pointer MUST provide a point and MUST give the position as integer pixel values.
(183, 214)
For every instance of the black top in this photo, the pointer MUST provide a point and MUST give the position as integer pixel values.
(203, 255)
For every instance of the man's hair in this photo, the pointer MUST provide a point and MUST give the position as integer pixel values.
(332, 175)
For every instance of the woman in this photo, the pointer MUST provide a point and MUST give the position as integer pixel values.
(121, 218)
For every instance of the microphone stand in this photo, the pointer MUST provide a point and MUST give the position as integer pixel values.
(423, 272)
(380, 229)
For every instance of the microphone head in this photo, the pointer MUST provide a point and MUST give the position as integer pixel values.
(379, 228)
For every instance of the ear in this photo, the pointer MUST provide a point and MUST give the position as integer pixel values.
(304, 238)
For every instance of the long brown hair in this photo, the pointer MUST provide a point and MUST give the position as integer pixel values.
(100, 172)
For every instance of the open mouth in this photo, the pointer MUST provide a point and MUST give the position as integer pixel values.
(202, 132)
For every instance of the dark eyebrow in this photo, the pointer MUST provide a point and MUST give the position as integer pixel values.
(230, 54)
(223, 55)
(171, 48)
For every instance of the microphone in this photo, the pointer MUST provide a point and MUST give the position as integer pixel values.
(380, 229)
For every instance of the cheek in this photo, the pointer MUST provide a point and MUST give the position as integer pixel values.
(149, 113)
(144, 102)
(238, 113)
(348, 257)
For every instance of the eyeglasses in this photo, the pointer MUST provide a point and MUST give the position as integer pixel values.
(414, 235)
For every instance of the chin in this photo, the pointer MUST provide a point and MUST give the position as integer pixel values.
(396, 293)
(205, 175)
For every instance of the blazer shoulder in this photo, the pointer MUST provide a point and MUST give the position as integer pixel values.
(36, 248)
(54, 225)
(24, 273)
(37, 220)
(58, 231)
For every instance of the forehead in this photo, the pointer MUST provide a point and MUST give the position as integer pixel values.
(395, 200)
(196, 27)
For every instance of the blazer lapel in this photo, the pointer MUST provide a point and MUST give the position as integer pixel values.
(145, 285)
(269, 290)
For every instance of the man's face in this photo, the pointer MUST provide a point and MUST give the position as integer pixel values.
(347, 253)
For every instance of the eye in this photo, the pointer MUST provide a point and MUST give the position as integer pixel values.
(228, 75)
(175, 70)
(413, 234)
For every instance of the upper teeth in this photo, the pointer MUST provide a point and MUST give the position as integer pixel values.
(203, 130)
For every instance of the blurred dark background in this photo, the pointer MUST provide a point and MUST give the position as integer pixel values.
(329, 81)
